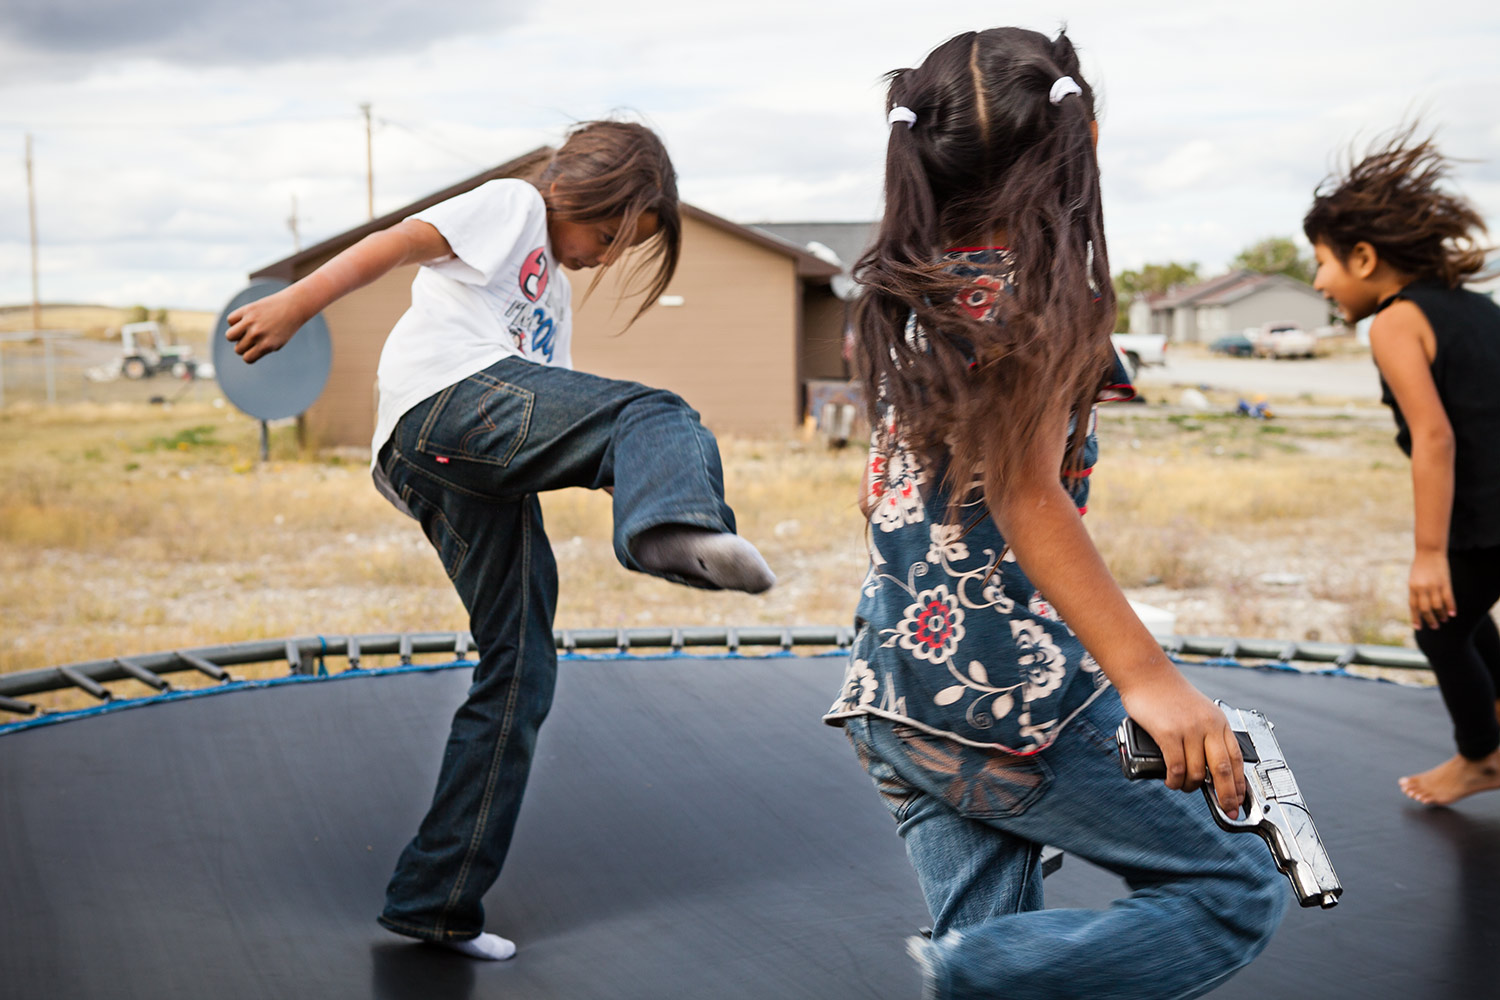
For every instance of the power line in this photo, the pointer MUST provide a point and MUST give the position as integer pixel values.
(427, 138)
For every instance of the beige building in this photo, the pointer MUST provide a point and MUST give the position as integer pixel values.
(748, 321)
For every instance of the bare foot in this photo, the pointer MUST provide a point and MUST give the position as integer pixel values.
(1453, 779)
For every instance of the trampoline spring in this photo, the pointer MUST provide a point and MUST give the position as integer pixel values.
(677, 640)
(1288, 653)
(786, 639)
(732, 640)
(461, 645)
(569, 641)
(87, 683)
(404, 651)
(143, 675)
(16, 706)
(201, 665)
(1346, 657)
(622, 640)
(352, 652)
(1230, 649)
(293, 657)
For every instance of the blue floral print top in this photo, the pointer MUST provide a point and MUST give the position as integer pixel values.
(950, 635)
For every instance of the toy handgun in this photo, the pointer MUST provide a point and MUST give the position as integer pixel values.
(1273, 808)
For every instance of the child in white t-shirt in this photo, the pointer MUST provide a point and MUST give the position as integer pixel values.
(479, 411)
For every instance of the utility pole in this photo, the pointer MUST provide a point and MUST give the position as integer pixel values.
(36, 302)
(369, 160)
(291, 223)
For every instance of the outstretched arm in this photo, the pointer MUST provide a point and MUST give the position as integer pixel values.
(1402, 341)
(267, 324)
(1042, 526)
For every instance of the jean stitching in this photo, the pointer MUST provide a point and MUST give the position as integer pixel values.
(448, 484)
(504, 738)
(1023, 802)
(525, 430)
(709, 489)
(463, 546)
(437, 407)
(490, 425)
(418, 928)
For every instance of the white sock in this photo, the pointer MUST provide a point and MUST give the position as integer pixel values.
(720, 558)
(488, 947)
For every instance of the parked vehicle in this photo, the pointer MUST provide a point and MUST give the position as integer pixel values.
(1236, 345)
(1285, 340)
(1140, 349)
(148, 349)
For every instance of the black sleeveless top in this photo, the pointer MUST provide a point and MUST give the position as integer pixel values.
(1466, 371)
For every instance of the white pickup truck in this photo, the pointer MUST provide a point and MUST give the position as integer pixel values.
(1139, 349)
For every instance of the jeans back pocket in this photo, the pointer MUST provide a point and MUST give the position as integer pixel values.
(977, 783)
(480, 419)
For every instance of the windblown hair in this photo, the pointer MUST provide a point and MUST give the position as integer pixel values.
(989, 153)
(608, 169)
(1394, 200)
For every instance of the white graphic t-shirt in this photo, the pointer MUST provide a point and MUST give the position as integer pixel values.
(500, 294)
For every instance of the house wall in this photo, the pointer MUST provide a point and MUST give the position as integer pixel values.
(1184, 326)
(1213, 322)
(730, 349)
(823, 319)
(1278, 303)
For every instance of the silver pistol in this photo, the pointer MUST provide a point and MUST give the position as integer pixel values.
(1273, 808)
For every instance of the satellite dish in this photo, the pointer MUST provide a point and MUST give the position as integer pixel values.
(283, 383)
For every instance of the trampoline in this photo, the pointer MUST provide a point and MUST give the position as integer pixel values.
(690, 830)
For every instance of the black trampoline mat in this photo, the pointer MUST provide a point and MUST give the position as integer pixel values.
(690, 830)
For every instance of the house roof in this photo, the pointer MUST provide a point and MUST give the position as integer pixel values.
(846, 239)
(1227, 289)
(530, 165)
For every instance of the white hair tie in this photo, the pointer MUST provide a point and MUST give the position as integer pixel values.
(1062, 87)
(900, 114)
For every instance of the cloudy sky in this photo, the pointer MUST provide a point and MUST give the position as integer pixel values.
(171, 136)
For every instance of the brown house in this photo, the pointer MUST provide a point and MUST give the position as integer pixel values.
(748, 320)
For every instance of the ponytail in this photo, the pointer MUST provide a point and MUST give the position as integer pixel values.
(989, 151)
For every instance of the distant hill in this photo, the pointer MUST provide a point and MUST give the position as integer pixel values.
(102, 321)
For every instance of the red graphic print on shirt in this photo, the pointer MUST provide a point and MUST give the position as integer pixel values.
(534, 274)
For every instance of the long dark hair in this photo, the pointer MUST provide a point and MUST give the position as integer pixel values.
(989, 152)
(1393, 199)
(608, 169)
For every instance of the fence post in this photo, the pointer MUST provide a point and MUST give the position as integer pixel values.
(47, 366)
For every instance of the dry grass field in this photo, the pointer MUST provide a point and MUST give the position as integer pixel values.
(133, 528)
(97, 321)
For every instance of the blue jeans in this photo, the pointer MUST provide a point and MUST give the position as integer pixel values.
(1203, 902)
(469, 463)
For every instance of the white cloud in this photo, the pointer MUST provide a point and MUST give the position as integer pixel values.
(167, 154)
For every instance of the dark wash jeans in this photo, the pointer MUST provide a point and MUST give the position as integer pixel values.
(469, 462)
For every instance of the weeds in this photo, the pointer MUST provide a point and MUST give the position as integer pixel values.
(134, 528)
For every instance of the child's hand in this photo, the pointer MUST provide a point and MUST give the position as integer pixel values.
(1195, 738)
(264, 325)
(1430, 590)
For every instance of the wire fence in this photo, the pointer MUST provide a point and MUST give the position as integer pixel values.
(62, 367)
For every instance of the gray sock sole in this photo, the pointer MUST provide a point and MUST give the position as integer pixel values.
(719, 558)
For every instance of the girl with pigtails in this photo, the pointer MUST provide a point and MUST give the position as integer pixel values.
(994, 655)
